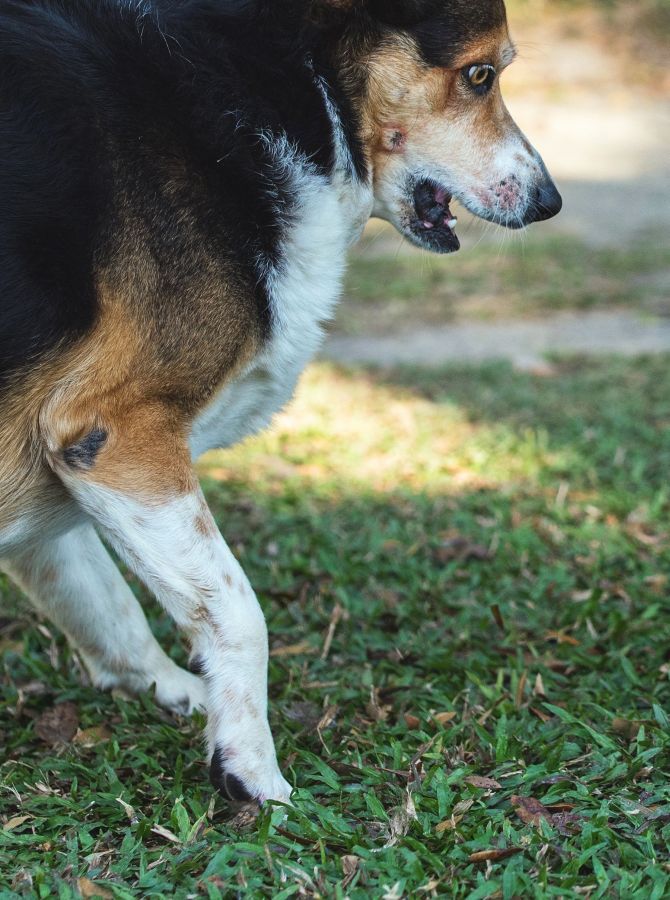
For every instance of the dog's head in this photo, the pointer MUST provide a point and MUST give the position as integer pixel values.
(435, 124)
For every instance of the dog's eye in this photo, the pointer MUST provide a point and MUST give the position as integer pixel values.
(480, 78)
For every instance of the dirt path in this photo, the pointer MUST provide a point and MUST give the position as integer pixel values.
(524, 343)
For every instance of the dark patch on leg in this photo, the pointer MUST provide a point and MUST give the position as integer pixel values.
(196, 666)
(182, 707)
(229, 786)
(83, 454)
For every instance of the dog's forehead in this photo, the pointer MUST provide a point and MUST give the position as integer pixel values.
(452, 28)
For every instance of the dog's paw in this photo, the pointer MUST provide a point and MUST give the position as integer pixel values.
(176, 690)
(181, 692)
(247, 784)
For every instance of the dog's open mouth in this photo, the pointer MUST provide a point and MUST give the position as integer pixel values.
(434, 223)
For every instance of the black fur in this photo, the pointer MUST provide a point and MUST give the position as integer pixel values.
(83, 454)
(229, 786)
(105, 98)
(103, 101)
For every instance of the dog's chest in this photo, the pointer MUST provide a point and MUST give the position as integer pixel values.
(303, 292)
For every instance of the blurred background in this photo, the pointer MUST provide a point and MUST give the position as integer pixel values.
(591, 89)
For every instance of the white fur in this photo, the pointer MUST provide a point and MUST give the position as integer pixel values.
(72, 580)
(203, 587)
(303, 292)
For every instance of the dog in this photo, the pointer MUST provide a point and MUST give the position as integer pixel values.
(181, 181)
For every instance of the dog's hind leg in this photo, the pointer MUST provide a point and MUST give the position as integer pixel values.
(133, 475)
(73, 581)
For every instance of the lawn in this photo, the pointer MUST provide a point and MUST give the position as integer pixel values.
(465, 575)
(499, 277)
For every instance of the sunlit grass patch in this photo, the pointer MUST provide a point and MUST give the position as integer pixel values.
(466, 579)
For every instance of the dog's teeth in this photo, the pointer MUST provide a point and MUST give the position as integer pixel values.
(451, 223)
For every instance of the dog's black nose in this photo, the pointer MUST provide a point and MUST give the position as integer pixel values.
(546, 203)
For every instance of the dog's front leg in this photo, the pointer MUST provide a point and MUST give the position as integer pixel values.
(149, 505)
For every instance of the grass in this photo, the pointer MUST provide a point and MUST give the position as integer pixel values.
(490, 553)
(537, 278)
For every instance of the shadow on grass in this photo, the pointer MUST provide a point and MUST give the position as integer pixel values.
(485, 620)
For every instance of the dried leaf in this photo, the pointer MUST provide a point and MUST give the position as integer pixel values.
(15, 822)
(494, 855)
(350, 866)
(461, 549)
(401, 821)
(529, 810)
(444, 718)
(165, 833)
(479, 781)
(462, 807)
(448, 824)
(88, 889)
(627, 728)
(59, 724)
(90, 737)
(412, 721)
(374, 709)
(130, 812)
(292, 650)
(657, 583)
(560, 637)
(498, 616)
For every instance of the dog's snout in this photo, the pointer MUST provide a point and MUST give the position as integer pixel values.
(546, 203)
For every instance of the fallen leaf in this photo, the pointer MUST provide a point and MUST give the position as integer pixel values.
(498, 616)
(529, 810)
(448, 824)
(90, 737)
(401, 821)
(165, 833)
(479, 781)
(87, 889)
(627, 728)
(350, 865)
(378, 712)
(494, 855)
(444, 718)
(657, 583)
(292, 650)
(461, 549)
(129, 811)
(17, 821)
(59, 724)
(560, 637)
(412, 721)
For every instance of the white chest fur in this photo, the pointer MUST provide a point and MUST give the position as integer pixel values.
(303, 292)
